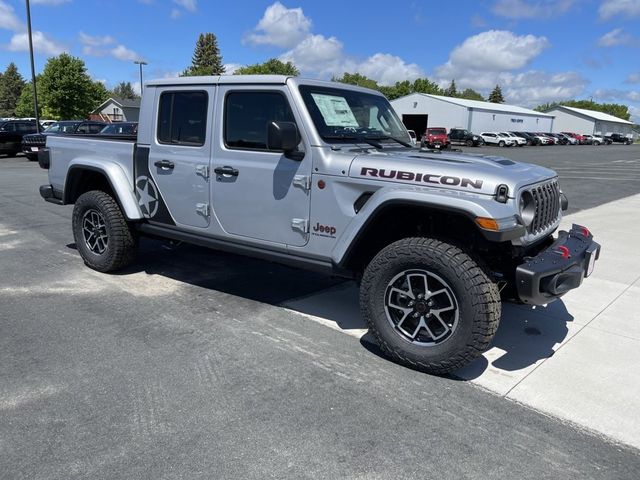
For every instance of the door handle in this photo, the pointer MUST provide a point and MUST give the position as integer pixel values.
(226, 171)
(165, 164)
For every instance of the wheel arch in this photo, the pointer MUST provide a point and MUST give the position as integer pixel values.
(109, 177)
(392, 219)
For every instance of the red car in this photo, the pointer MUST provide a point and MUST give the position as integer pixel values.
(580, 138)
(435, 137)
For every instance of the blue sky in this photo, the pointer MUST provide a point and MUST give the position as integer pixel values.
(537, 50)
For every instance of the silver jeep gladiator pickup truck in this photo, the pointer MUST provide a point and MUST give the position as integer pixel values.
(323, 176)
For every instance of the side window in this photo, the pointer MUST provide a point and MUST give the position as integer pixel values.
(95, 128)
(84, 128)
(247, 115)
(182, 118)
(26, 128)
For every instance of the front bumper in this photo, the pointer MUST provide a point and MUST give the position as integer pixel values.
(559, 268)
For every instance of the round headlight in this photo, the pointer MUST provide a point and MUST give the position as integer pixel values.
(527, 208)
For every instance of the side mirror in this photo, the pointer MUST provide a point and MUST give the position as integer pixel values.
(283, 136)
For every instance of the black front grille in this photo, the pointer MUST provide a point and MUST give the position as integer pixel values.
(547, 204)
(38, 140)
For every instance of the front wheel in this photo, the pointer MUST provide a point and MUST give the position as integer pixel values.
(103, 237)
(469, 143)
(429, 305)
(501, 143)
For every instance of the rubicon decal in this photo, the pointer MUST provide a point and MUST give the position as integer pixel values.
(324, 230)
(421, 177)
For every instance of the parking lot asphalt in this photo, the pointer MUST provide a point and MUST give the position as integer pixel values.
(187, 366)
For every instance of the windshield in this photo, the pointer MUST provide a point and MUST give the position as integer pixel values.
(341, 115)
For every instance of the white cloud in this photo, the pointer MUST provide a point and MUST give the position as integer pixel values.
(538, 9)
(8, 18)
(622, 8)
(230, 68)
(615, 37)
(123, 53)
(635, 114)
(613, 94)
(175, 13)
(96, 41)
(633, 78)
(188, 5)
(535, 87)
(496, 50)
(41, 44)
(280, 26)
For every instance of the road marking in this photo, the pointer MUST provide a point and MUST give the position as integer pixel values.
(600, 178)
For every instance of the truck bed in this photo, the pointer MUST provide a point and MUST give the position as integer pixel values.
(68, 149)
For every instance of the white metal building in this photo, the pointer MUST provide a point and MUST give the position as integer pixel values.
(419, 110)
(590, 122)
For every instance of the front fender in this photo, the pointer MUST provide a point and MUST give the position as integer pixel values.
(469, 204)
(117, 178)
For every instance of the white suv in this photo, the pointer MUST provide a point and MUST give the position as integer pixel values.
(499, 139)
(519, 141)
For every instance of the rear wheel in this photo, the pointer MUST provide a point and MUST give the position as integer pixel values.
(469, 143)
(429, 305)
(104, 239)
(501, 143)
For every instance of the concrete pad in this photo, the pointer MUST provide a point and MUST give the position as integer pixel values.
(524, 340)
(622, 317)
(593, 381)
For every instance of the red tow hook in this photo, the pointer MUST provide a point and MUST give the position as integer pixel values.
(585, 231)
(563, 251)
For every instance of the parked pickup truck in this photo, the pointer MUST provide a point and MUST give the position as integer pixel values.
(618, 138)
(321, 175)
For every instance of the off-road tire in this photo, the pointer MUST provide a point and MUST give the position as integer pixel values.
(122, 244)
(477, 297)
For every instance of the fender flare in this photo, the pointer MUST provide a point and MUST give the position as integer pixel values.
(120, 183)
(466, 204)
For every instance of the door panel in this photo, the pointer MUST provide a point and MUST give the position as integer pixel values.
(268, 194)
(180, 154)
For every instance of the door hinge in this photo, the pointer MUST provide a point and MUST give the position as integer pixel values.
(300, 224)
(202, 209)
(202, 170)
(303, 181)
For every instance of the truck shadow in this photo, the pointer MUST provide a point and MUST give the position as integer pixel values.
(525, 335)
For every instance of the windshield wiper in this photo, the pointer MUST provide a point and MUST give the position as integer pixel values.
(357, 138)
(401, 142)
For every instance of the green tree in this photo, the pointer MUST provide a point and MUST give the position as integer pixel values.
(496, 95)
(11, 86)
(451, 90)
(124, 90)
(357, 79)
(424, 85)
(67, 90)
(206, 59)
(24, 105)
(471, 94)
(272, 66)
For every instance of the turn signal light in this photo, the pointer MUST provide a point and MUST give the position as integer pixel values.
(488, 223)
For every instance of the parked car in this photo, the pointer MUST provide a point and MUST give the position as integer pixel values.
(46, 123)
(493, 138)
(32, 144)
(543, 139)
(518, 140)
(593, 140)
(121, 128)
(435, 137)
(461, 136)
(414, 137)
(567, 139)
(531, 139)
(618, 138)
(11, 133)
(579, 138)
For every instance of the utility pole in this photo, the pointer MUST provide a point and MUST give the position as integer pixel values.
(141, 63)
(33, 68)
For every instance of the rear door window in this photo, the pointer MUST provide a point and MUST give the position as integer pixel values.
(182, 118)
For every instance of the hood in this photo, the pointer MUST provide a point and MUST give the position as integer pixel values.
(471, 173)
